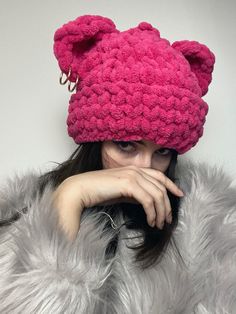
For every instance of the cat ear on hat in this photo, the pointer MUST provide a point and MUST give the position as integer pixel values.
(75, 38)
(201, 60)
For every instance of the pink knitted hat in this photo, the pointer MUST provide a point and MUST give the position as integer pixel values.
(133, 85)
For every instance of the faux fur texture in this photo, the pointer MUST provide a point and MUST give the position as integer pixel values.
(42, 272)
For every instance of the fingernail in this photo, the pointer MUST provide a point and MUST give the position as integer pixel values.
(181, 193)
(161, 225)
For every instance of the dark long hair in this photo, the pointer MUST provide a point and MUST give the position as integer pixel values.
(87, 157)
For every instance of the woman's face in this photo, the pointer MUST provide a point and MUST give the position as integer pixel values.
(141, 153)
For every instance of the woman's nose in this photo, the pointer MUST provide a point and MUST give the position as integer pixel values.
(144, 162)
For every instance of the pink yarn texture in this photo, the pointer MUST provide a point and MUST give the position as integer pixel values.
(133, 84)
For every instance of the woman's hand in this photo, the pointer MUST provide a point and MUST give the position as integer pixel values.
(108, 186)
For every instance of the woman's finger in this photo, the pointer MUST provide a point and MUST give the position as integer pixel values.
(136, 191)
(154, 204)
(157, 184)
(158, 194)
(170, 185)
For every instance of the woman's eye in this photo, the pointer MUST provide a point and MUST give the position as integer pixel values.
(166, 151)
(124, 146)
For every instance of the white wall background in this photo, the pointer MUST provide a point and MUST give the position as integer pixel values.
(33, 106)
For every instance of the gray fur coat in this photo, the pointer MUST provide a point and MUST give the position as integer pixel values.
(42, 272)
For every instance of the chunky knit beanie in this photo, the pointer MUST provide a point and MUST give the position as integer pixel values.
(133, 85)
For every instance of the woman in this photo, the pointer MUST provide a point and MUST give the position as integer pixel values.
(109, 230)
(116, 184)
